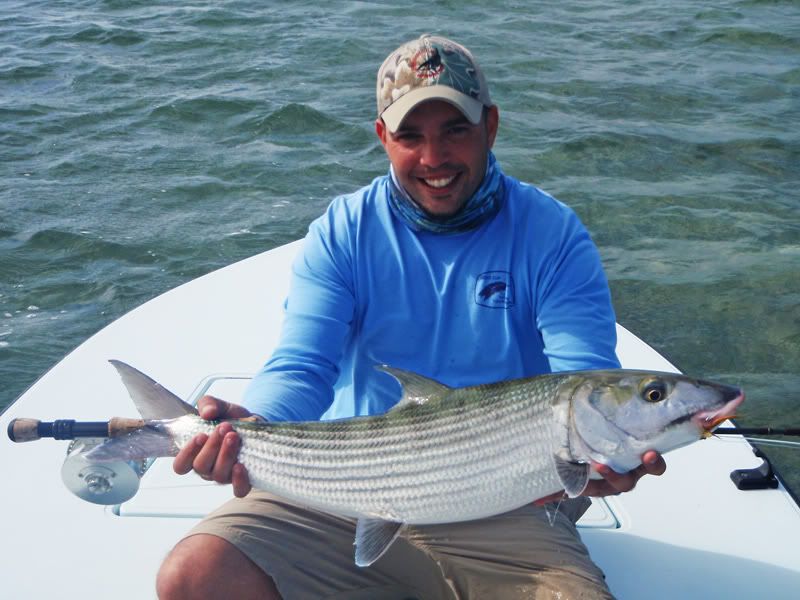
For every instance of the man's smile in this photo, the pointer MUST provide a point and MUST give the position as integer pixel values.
(440, 181)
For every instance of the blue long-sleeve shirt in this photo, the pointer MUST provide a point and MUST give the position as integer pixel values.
(522, 294)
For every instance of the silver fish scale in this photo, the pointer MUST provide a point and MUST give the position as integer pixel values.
(472, 453)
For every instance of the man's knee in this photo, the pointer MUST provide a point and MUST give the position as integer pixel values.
(206, 566)
(185, 567)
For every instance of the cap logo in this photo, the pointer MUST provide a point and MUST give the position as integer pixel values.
(427, 66)
(427, 63)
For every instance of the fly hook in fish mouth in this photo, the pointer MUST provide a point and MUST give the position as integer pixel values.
(712, 422)
(709, 421)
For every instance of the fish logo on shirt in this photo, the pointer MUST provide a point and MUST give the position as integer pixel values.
(495, 289)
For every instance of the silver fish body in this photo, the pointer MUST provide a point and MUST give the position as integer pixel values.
(468, 454)
(455, 454)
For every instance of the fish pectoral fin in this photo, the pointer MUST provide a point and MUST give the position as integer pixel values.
(574, 476)
(417, 389)
(373, 538)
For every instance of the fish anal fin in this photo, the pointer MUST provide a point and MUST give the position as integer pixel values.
(574, 476)
(373, 538)
(417, 389)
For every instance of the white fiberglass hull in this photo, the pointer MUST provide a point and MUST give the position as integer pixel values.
(688, 534)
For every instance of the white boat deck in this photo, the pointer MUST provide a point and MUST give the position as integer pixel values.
(688, 534)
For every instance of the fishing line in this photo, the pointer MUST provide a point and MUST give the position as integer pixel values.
(769, 443)
(749, 432)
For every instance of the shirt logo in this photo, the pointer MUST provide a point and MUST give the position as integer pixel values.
(495, 289)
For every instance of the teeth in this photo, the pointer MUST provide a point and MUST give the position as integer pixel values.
(440, 183)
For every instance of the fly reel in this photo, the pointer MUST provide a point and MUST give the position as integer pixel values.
(110, 482)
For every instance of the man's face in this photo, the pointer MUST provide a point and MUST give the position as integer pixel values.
(439, 157)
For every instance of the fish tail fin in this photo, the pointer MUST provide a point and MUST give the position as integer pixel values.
(150, 441)
(157, 406)
(153, 401)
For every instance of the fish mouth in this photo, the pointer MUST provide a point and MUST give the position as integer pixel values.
(709, 420)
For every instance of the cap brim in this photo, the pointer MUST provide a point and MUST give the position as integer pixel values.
(399, 109)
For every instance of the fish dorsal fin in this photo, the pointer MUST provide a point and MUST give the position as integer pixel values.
(574, 476)
(417, 389)
(373, 538)
(153, 401)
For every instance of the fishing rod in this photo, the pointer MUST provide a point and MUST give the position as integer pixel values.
(28, 430)
(25, 430)
(116, 482)
(756, 431)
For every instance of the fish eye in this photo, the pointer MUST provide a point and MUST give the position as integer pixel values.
(654, 390)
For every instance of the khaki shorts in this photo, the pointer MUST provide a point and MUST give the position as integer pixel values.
(309, 554)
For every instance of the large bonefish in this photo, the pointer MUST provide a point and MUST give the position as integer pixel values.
(446, 454)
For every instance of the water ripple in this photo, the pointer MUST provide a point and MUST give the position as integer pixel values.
(144, 144)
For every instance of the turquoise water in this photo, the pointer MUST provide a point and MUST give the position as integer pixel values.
(144, 144)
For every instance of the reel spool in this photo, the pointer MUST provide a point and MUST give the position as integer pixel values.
(100, 483)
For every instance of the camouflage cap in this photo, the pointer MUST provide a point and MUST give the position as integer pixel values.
(428, 68)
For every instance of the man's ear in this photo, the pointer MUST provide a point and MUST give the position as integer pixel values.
(381, 130)
(492, 123)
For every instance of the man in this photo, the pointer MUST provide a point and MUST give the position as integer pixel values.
(445, 267)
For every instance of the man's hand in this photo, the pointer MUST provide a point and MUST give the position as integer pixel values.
(616, 483)
(213, 456)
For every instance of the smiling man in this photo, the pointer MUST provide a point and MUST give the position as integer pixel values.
(439, 153)
(438, 156)
(446, 267)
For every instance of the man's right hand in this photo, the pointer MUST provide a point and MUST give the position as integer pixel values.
(214, 456)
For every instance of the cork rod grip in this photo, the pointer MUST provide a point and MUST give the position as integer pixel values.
(24, 430)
